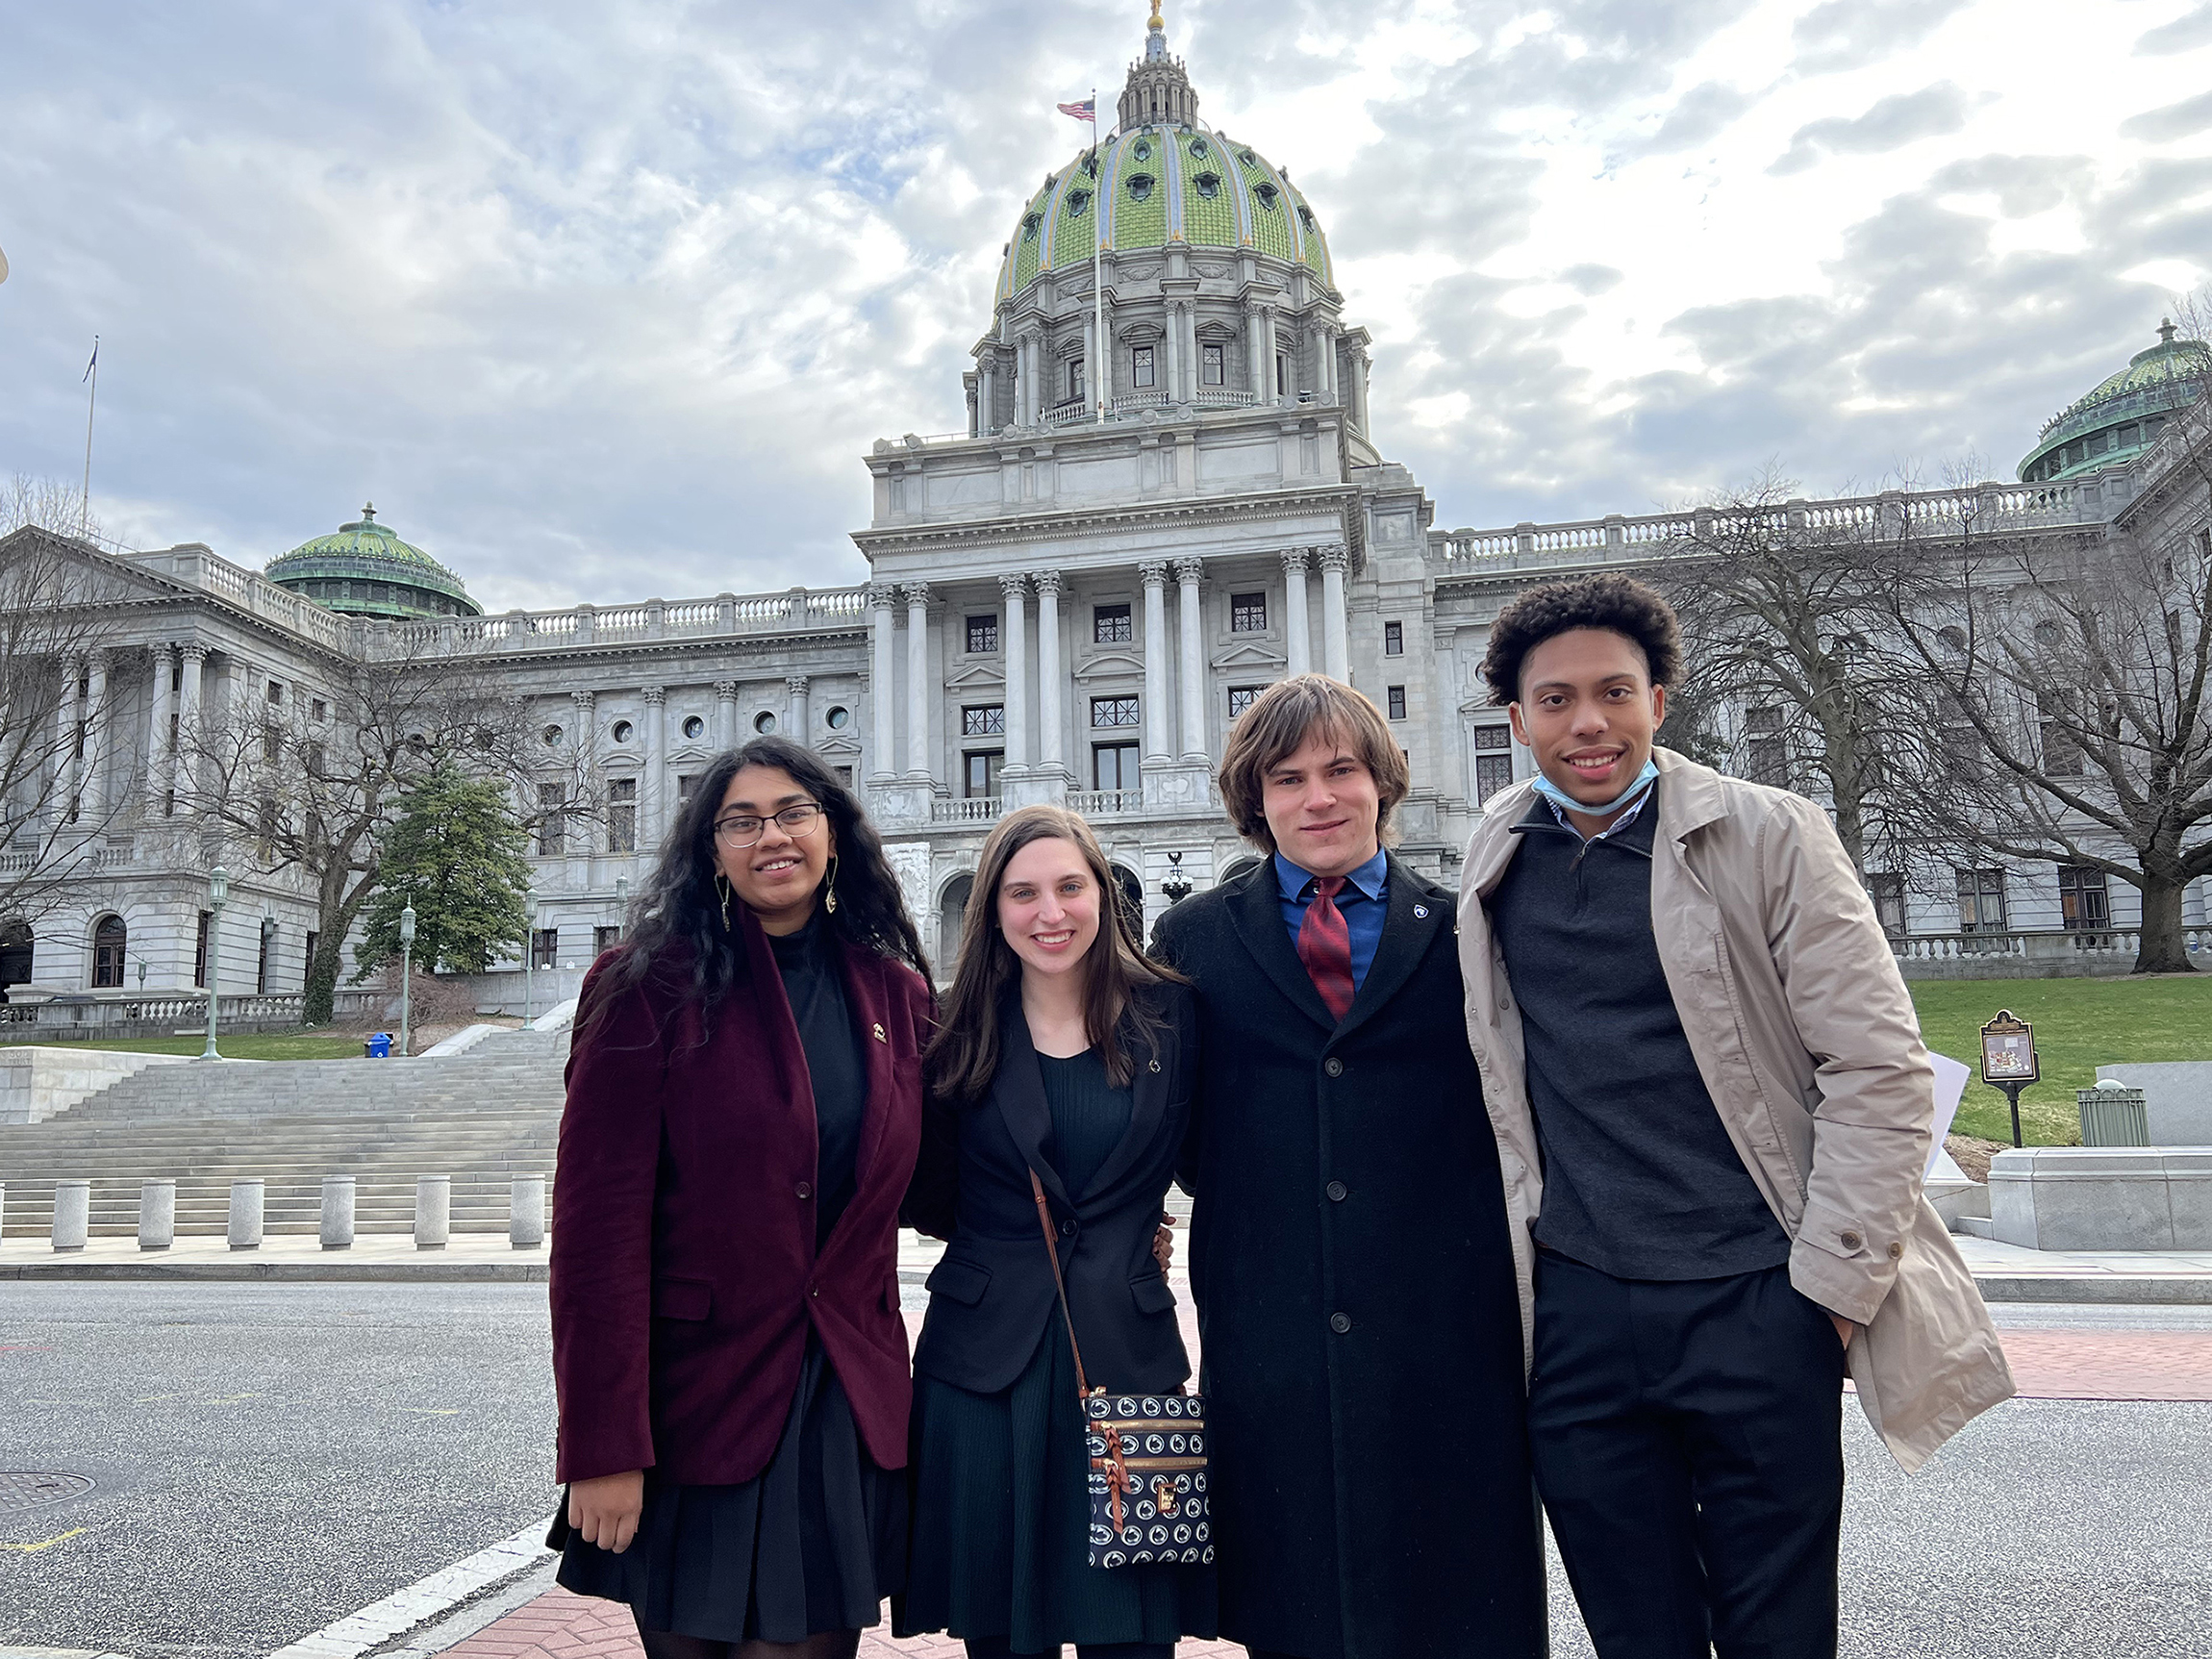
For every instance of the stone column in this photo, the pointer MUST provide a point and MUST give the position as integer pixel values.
(1171, 356)
(92, 780)
(1258, 382)
(68, 714)
(158, 733)
(1336, 639)
(185, 773)
(1324, 361)
(917, 696)
(1191, 355)
(1192, 696)
(1270, 390)
(1050, 719)
(987, 394)
(1358, 389)
(884, 677)
(577, 834)
(1298, 630)
(797, 711)
(1154, 572)
(655, 768)
(1013, 652)
(725, 713)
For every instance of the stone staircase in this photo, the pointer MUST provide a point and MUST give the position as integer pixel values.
(482, 1117)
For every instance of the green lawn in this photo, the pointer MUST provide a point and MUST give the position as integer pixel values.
(269, 1045)
(2080, 1024)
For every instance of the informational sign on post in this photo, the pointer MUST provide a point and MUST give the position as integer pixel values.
(2008, 1060)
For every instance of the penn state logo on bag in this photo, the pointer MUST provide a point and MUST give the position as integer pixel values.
(1147, 1483)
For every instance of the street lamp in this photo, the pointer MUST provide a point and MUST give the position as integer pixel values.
(406, 974)
(1177, 887)
(218, 893)
(529, 949)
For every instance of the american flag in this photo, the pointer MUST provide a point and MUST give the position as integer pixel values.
(1086, 111)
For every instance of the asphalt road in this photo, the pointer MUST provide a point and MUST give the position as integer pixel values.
(268, 1458)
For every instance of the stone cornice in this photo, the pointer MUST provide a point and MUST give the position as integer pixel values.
(1088, 522)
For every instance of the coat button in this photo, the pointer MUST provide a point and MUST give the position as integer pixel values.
(815, 1291)
(1068, 1229)
(805, 1190)
(1334, 1067)
(1851, 1241)
(1896, 1251)
(1340, 1323)
(1338, 1191)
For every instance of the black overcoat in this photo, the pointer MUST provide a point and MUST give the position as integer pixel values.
(1359, 1328)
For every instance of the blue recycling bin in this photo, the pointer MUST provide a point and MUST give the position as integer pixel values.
(378, 1047)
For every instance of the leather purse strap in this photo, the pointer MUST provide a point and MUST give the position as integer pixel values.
(1052, 1253)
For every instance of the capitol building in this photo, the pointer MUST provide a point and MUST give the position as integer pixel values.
(1169, 492)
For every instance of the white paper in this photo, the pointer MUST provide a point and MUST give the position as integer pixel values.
(1950, 1081)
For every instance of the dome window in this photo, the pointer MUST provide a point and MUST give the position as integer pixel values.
(1248, 158)
(1200, 149)
(1265, 193)
(1208, 185)
(1029, 224)
(1078, 202)
(1144, 150)
(1140, 186)
(1305, 216)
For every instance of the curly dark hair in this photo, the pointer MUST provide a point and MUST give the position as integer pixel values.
(679, 913)
(1619, 603)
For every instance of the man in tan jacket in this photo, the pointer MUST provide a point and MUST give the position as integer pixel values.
(1713, 1112)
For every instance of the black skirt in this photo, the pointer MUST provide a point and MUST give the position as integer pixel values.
(1002, 1524)
(812, 1543)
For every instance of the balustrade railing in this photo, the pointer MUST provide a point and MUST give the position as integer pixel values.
(2113, 943)
(969, 809)
(1106, 803)
(77, 1014)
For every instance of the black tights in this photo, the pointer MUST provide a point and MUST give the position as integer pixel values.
(824, 1645)
(995, 1648)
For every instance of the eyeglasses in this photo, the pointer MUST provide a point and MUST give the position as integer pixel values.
(737, 833)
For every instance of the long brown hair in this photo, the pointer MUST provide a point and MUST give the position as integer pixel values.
(963, 1058)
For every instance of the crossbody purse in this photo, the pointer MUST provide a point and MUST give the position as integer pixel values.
(1148, 1497)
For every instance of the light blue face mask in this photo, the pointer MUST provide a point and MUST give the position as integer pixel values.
(1552, 793)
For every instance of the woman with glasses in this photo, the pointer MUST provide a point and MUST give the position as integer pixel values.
(744, 1106)
(1065, 1053)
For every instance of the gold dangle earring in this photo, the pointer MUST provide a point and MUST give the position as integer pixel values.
(723, 886)
(829, 887)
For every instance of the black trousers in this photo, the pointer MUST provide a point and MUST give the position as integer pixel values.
(1688, 1444)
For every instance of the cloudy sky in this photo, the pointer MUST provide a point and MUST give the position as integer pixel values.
(606, 301)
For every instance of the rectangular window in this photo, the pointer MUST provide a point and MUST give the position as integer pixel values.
(1212, 367)
(1248, 612)
(1493, 761)
(307, 956)
(982, 634)
(1394, 639)
(315, 760)
(1396, 695)
(1282, 375)
(1981, 901)
(687, 787)
(265, 824)
(275, 692)
(986, 720)
(552, 822)
(2084, 901)
(1766, 750)
(1114, 712)
(979, 779)
(622, 815)
(1074, 380)
(200, 950)
(1111, 625)
(1241, 698)
(1113, 765)
(320, 710)
(261, 966)
(2058, 716)
(604, 940)
(843, 775)
(272, 744)
(546, 947)
(1141, 367)
(1887, 889)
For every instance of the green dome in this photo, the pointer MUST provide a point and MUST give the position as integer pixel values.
(2123, 416)
(365, 571)
(1163, 184)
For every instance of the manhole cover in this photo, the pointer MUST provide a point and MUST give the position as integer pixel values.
(19, 1490)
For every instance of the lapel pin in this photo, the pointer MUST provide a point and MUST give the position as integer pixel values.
(1421, 912)
(879, 1036)
(1155, 1066)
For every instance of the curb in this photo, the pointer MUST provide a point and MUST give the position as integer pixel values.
(2122, 1288)
(300, 1272)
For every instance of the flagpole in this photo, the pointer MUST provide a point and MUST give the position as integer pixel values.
(91, 403)
(1101, 371)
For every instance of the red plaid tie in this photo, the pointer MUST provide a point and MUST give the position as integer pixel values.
(1325, 946)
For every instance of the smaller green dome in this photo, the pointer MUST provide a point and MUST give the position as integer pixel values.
(2124, 416)
(365, 569)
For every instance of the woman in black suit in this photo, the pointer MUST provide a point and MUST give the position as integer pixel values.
(1066, 1052)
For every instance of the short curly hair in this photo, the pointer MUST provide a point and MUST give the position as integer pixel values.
(1619, 603)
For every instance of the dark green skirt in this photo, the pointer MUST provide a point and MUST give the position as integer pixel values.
(1002, 1524)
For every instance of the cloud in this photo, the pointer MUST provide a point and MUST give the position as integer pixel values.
(1699, 116)
(1890, 124)
(2174, 121)
(2185, 33)
(1592, 280)
(1852, 33)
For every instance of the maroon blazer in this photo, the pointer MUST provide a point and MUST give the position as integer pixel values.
(684, 1270)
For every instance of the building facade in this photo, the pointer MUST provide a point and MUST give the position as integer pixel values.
(1169, 494)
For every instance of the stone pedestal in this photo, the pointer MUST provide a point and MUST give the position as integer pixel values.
(900, 802)
(433, 1211)
(337, 1212)
(72, 1213)
(245, 1228)
(2103, 1197)
(1176, 786)
(157, 1213)
(1035, 786)
(526, 1213)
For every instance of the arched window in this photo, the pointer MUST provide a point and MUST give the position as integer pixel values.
(951, 917)
(110, 944)
(16, 950)
(1131, 892)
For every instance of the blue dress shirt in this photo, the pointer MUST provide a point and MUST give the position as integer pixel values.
(1363, 901)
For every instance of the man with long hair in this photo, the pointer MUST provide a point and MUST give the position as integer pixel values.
(1350, 1259)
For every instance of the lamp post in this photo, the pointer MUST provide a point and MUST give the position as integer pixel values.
(529, 950)
(406, 976)
(1177, 887)
(218, 893)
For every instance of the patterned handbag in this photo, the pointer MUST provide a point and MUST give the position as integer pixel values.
(1148, 1500)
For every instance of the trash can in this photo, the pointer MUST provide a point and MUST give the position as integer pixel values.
(2113, 1115)
(378, 1047)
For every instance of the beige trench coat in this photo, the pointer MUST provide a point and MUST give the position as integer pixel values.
(1810, 1048)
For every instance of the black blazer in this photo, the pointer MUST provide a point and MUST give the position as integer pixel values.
(992, 1296)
